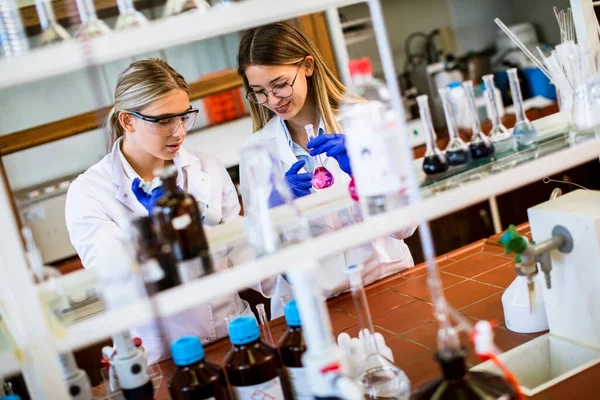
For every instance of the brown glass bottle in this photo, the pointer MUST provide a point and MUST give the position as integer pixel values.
(195, 378)
(180, 223)
(460, 383)
(156, 260)
(253, 367)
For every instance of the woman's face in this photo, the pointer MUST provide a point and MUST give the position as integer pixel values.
(263, 78)
(161, 139)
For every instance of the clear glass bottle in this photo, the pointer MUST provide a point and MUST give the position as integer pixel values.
(460, 383)
(52, 31)
(180, 222)
(13, 41)
(500, 136)
(91, 25)
(434, 161)
(380, 378)
(373, 142)
(524, 132)
(457, 151)
(129, 16)
(175, 7)
(481, 146)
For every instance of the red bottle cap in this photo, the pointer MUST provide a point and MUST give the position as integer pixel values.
(361, 66)
(137, 341)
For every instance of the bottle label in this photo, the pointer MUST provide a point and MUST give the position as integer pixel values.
(181, 222)
(190, 269)
(270, 390)
(299, 382)
(152, 271)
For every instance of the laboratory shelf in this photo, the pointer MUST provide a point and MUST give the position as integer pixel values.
(73, 55)
(172, 301)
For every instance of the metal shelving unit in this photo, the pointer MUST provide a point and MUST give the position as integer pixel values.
(41, 368)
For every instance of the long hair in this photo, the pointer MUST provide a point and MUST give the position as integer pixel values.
(140, 84)
(283, 44)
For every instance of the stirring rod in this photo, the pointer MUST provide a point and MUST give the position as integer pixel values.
(264, 323)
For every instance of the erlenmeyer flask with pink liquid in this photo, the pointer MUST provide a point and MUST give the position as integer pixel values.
(322, 178)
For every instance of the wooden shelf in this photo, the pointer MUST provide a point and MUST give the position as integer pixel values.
(17, 141)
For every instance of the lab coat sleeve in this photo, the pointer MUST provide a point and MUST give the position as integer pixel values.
(230, 204)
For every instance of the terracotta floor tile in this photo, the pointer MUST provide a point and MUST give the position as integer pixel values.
(422, 371)
(353, 332)
(421, 269)
(466, 251)
(385, 283)
(406, 318)
(418, 287)
(492, 249)
(341, 320)
(406, 351)
(475, 265)
(425, 335)
(381, 303)
(489, 309)
(339, 301)
(501, 276)
(468, 292)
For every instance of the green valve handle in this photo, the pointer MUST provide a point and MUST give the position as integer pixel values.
(513, 241)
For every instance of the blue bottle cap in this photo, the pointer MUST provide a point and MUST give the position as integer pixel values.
(187, 350)
(292, 317)
(454, 84)
(10, 397)
(243, 330)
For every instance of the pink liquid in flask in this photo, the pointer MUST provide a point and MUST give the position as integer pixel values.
(322, 178)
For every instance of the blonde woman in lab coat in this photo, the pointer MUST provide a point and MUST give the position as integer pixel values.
(289, 86)
(148, 125)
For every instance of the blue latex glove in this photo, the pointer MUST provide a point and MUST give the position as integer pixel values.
(145, 199)
(333, 145)
(300, 184)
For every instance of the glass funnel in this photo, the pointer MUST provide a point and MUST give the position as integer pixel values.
(500, 136)
(434, 161)
(380, 378)
(457, 151)
(52, 31)
(322, 178)
(175, 7)
(481, 146)
(129, 16)
(91, 25)
(524, 132)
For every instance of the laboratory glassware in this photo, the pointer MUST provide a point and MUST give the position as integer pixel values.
(434, 161)
(500, 136)
(480, 146)
(175, 7)
(373, 142)
(457, 151)
(195, 378)
(292, 347)
(380, 378)
(52, 31)
(524, 132)
(80, 387)
(13, 41)
(91, 25)
(129, 16)
(180, 223)
(156, 260)
(252, 366)
(264, 324)
(322, 178)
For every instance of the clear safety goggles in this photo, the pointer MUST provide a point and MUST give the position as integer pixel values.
(168, 124)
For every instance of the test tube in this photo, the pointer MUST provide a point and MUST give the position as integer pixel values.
(523, 131)
(52, 31)
(264, 323)
(481, 146)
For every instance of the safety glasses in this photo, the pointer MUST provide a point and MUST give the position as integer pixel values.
(168, 124)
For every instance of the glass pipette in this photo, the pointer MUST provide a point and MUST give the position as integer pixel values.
(481, 146)
(264, 323)
(322, 178)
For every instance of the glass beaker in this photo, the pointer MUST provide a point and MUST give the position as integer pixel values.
(91, 26)
(52, 31)
(524, 132)
(380, 378)
(13, 41)
(480, 146)
(500, 136)
(129, 16)
(457, 151)
(434, 161)
(322, 178)
(175, 7)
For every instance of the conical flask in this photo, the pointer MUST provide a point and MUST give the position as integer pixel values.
(457, 151)
(481, 146)
(434, 161)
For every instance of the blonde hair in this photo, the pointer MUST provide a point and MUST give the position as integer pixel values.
(140, 84)
(283, 44)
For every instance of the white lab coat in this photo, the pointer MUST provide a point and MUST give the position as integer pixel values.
(100, 199)
(384, 257)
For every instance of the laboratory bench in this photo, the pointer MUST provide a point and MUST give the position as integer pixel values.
(473, 277)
